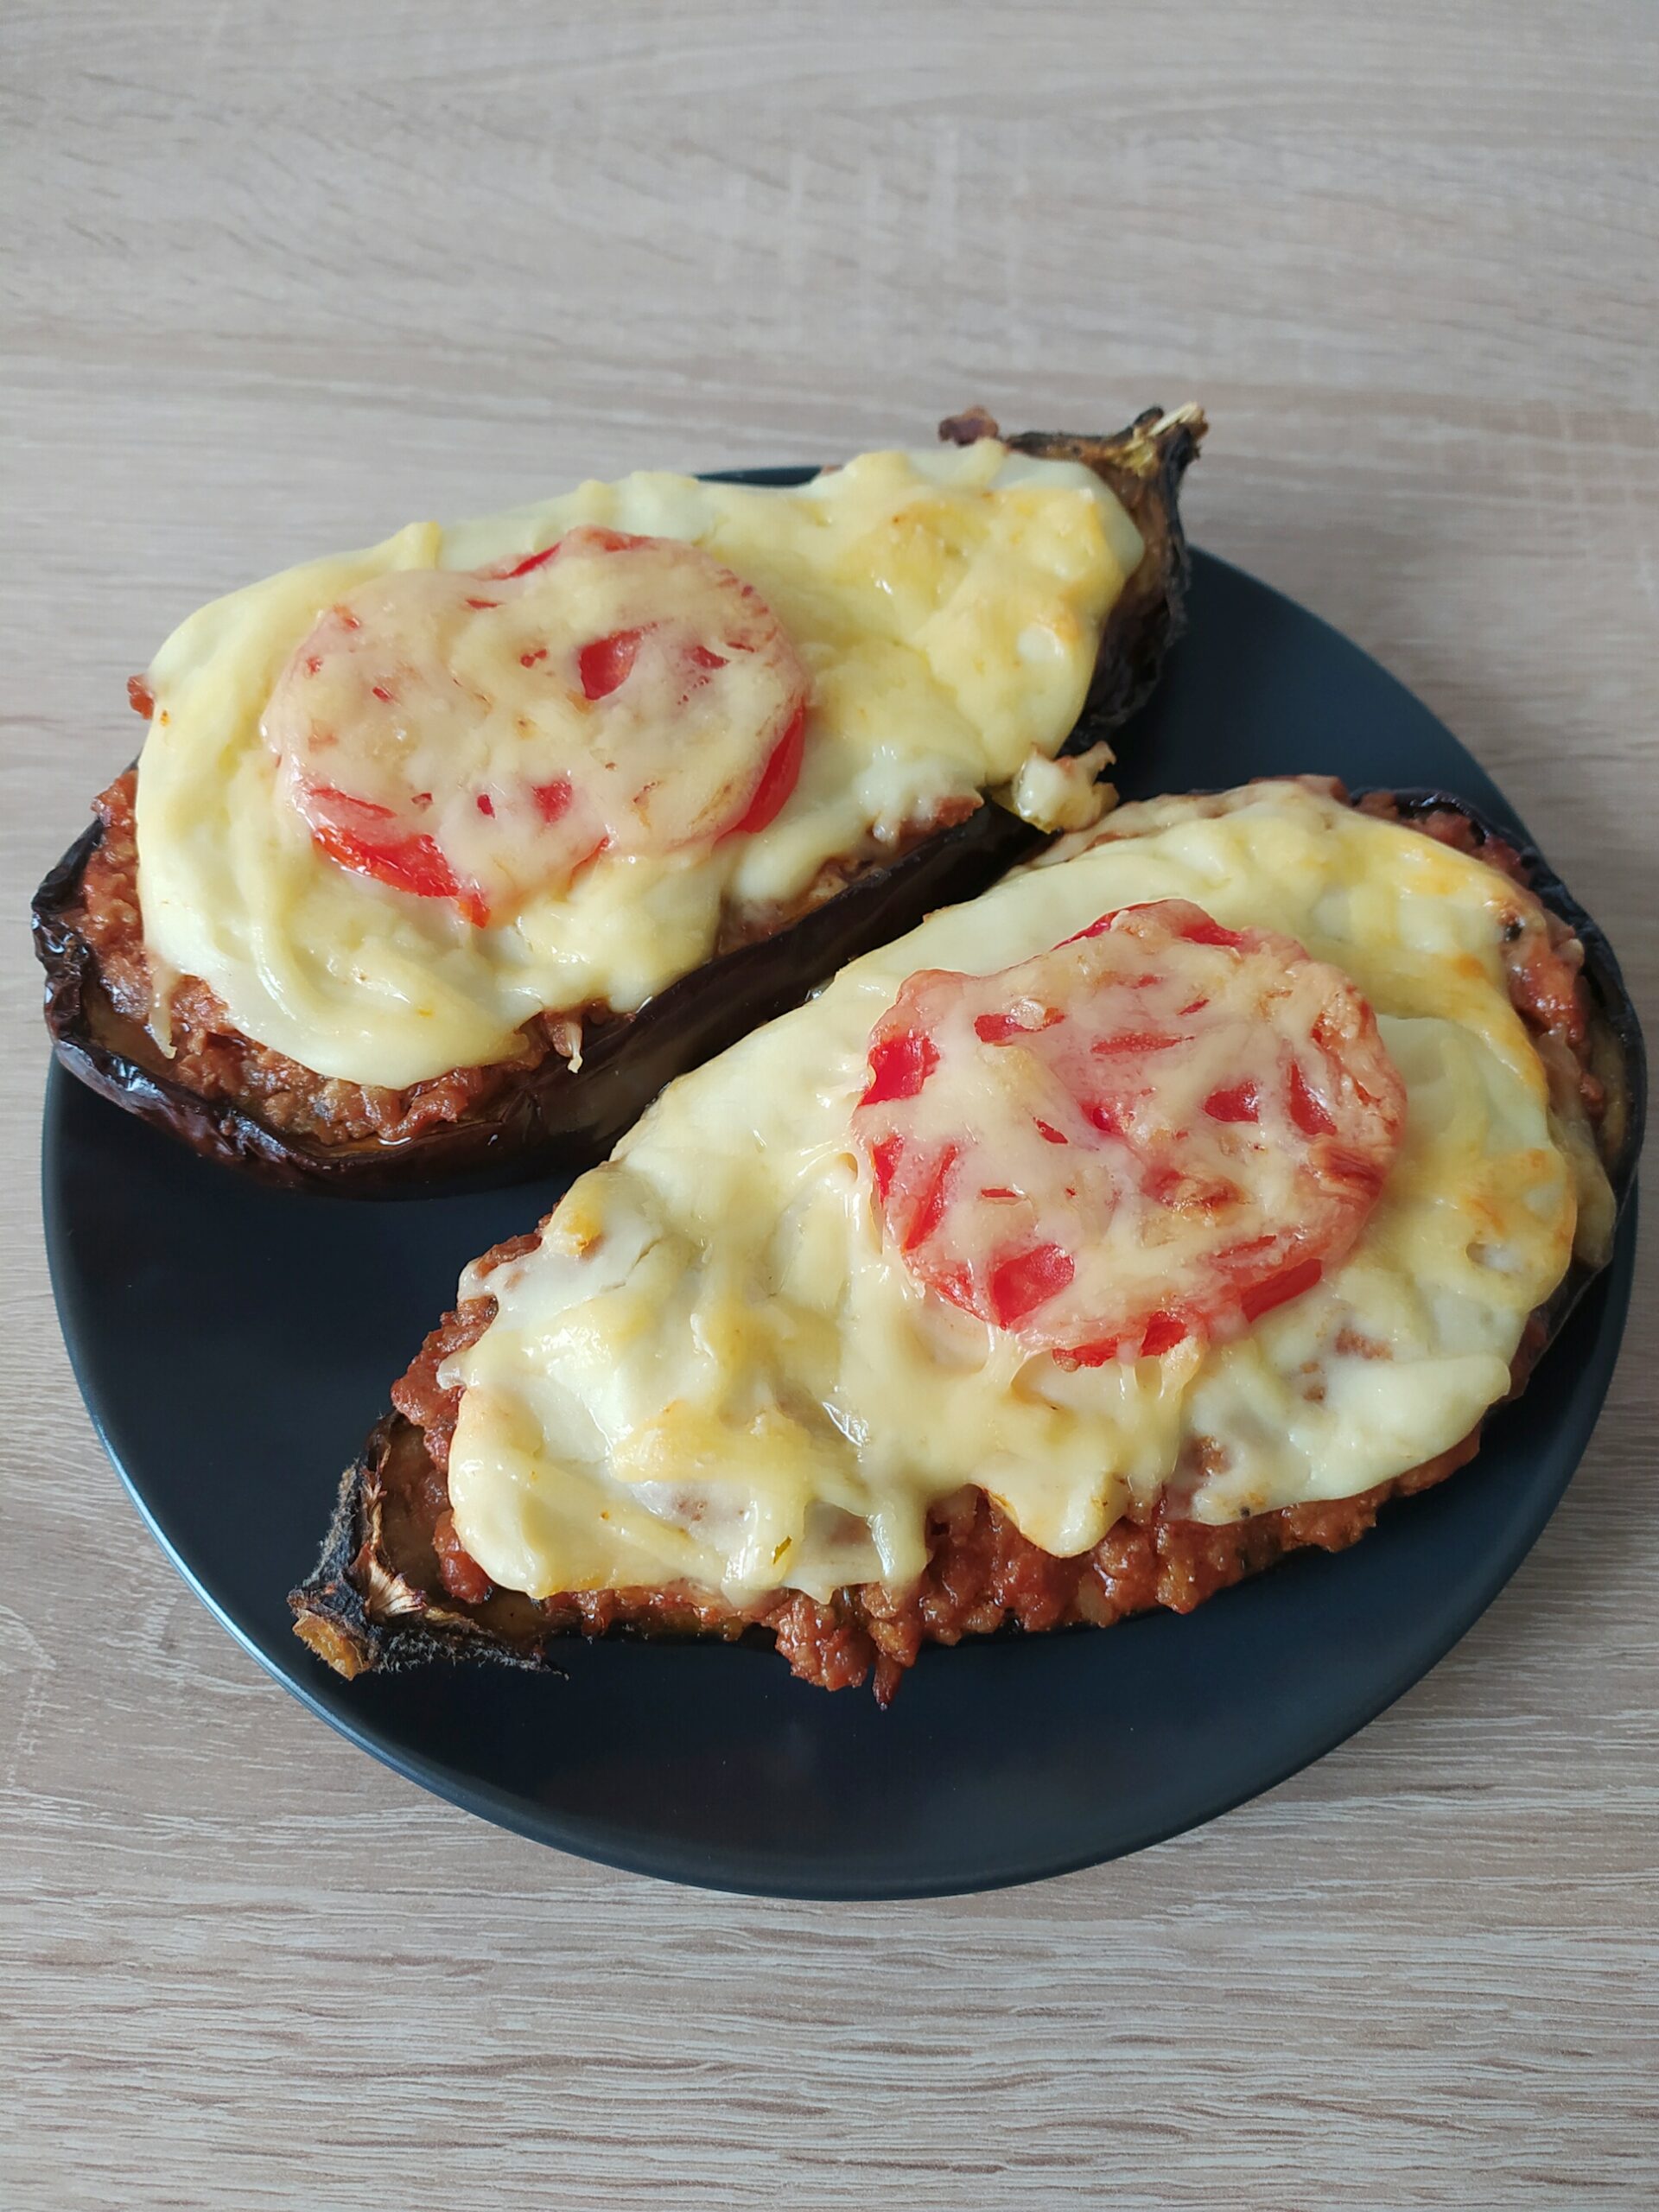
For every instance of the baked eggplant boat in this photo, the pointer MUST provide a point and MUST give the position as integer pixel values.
(440, 859)
(1172, 1206)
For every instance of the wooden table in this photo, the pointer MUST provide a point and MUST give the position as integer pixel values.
(276, 279)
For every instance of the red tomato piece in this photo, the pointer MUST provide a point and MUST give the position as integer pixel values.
(552, 799)
(608, 662)
(778, 779)
(884, 1161)
(1162, 1333)
(1019, 1284)
(1278, 1289)
(899, 1065)
(591, 536)
(1152, 1136)
(1311, 1115)
(348, 832)
(1205, 932)
(928, 1211)
(999, 1028)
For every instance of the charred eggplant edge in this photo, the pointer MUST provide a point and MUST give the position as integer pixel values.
(554, 1117)
(359, 1610)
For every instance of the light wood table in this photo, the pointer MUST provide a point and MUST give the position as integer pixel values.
(275, 279)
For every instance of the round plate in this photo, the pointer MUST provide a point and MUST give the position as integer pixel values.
(285, 1317)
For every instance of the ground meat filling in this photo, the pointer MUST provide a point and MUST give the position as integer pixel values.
(208, 1053)
(983, 1574)
(419, 1395)
(205, 1052)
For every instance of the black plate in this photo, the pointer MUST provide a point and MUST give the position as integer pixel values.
(286, 1316)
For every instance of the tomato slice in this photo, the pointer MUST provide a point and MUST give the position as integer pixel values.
(777, 779)
(479, 737)
(366, 839)
(1150, 1137)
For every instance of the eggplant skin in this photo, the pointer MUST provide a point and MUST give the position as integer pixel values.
(377, 1600)
(552, 1118)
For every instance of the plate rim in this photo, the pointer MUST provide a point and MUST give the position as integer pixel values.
(1604, 1310)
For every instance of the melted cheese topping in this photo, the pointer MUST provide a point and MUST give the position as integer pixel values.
(712, 1368)
(948, 609)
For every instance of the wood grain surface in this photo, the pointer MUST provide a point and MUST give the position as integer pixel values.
(276, 278)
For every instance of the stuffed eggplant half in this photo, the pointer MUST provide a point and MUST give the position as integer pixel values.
(1171, 1206)
(441, 858)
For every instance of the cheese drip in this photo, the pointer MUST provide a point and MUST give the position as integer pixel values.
(948, 609)
(713, 1370)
